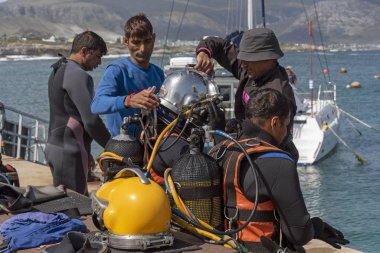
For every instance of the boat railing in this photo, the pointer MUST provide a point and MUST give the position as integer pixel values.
(22, 135)
(325, 95)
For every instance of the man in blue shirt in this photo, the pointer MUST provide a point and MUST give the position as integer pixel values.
(128, 84)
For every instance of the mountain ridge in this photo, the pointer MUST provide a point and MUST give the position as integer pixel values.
(345, 21)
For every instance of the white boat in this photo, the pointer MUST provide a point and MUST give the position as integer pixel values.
(316, 125)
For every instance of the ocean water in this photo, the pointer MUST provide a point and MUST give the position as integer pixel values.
(338, 189)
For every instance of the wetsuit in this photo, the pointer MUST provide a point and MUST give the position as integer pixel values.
(281, 176)
(121, 78)
(72, 125)
(225, 53)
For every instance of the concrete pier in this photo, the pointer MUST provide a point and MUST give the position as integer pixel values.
(37, 174)
(30, 173)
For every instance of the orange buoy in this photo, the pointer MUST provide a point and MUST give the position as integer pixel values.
(356, 84)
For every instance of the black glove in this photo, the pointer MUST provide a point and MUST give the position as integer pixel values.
(327, 233)
(216, 117)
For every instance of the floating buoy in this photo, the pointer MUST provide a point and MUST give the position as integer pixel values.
(342, 70)
(355, 84)
(325, 71)
(376, 76)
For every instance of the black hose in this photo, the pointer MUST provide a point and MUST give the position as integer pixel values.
(253, 167)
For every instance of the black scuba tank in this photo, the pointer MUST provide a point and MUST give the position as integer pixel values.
(126, 146)
(199, 181)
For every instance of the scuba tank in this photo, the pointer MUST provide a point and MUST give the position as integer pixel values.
(120, 151)
(199, 181)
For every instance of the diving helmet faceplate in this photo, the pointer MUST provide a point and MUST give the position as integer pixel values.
(185, 88)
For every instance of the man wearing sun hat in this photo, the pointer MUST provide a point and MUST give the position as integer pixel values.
(255, 64)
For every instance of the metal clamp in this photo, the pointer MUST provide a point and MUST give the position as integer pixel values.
(222, 149)
(252, 143)
(230, 219)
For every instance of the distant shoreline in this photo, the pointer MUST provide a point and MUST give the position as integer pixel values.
(37, 49)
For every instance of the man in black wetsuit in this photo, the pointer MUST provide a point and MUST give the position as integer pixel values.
(280, 206)
(72, 125)
(255, 64)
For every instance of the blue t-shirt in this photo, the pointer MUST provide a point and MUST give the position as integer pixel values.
(121, 78)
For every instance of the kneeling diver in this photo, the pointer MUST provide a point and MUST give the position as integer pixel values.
(281, 213)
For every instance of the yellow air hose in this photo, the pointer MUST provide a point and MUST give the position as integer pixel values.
(183, 209)
(195, 230)
(160, 137)
(178, 201)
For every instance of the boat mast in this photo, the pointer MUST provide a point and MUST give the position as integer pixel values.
(263, 11)
(311, 80)
(250, 14)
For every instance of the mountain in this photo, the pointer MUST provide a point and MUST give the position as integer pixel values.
(340, 21)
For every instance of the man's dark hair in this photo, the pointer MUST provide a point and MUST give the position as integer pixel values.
(267, 103)
(138, 26)
(90, 40)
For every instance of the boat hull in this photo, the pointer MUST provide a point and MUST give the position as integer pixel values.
(315, 136)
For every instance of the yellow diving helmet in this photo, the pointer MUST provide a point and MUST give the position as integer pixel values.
(134, 211)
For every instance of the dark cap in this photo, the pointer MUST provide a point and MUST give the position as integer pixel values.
(259, 44)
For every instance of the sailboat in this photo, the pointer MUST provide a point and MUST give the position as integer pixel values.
(316, 122)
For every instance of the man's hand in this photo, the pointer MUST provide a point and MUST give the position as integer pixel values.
(328, 234)
(204, 63)
(145, 99)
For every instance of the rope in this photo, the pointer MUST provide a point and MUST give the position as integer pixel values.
(357, 156)
(313, 41)
(322, 42)
(183, 16)
(358, 120)
(353, 126)
(167, 33)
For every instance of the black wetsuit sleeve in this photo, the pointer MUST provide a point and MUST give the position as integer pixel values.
(80, 88)
(282, 178)
(224, 52)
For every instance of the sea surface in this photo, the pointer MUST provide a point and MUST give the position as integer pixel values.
(338, 189)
